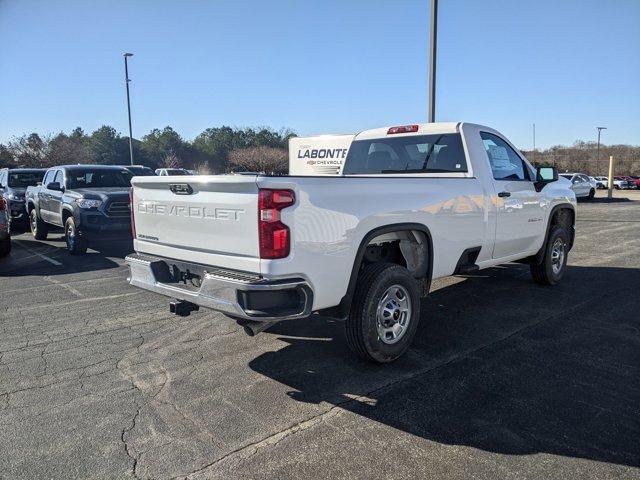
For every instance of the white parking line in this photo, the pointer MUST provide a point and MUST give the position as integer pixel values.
(44, 257)
(66, 286)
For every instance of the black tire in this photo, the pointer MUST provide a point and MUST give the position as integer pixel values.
(592, 193)
(76, 245)
(5, 247)
(544, 273)
(362, 323)
(39, 229)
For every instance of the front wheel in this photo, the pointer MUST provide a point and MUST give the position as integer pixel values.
(385, 313)
(39, 229)
(75, 243)
(592, 193)
(554, 261)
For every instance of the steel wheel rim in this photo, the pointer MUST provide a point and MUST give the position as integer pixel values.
(557, 256)
(393, 314)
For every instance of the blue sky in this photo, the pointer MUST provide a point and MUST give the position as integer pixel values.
(322, 66)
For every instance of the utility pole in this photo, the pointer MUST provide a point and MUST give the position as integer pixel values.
(598, 154)
(432, 60)
(126, 81)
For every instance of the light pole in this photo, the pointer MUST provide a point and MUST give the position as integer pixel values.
(598, 154)
(126, 81)
(534, 139)
(432, 61)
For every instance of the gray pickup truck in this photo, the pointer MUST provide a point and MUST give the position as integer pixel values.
(91, 202)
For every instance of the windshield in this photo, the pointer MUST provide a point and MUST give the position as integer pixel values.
(568, 177)
(176, 171)
(409, 154)
(24, 179)
(98, 178)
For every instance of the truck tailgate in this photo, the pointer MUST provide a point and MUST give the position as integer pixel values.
(211, 220)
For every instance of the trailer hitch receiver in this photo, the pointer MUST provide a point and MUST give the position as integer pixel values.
(183, 308)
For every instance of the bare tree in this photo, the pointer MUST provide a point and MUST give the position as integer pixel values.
(582, 157)
(202, 168)
(259, 159)
(30, 150)
(171, 160)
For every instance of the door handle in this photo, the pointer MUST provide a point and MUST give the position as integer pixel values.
(504, 194)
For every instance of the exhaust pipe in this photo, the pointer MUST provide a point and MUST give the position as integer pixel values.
(252, 328)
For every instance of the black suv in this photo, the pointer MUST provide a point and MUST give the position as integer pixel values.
(13, 185)
(91, 202)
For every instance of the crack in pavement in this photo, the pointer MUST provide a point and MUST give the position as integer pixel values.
(129, 453)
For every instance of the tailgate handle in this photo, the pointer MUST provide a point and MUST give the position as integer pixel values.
(181, 188)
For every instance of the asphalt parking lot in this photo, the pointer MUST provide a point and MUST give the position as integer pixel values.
(506, 379)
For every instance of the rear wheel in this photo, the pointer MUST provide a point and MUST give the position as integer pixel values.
(385, 313)
(75, 243)
(592, 193)
(39, 229)
(554, 262)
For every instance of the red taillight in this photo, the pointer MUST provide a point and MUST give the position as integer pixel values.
(133, 218)
(403, 129)
(275, 241)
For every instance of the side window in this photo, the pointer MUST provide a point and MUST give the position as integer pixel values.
(506, 164)
(59, 178)
(48, 178)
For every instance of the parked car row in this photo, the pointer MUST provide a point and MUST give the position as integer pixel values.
(585, 186)
(625, 182)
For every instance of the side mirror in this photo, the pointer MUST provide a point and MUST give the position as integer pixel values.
(55, 186)
(545, 175)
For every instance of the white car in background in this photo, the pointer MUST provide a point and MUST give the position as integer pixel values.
(581, 185)
(601, 182)
(163, 172)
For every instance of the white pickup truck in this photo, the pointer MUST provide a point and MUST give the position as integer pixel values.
(413, 203)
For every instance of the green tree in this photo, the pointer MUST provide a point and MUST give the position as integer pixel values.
(107, 147)
(216, 143)
(158, 145)
(69, 149)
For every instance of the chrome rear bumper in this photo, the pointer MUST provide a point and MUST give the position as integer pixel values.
(238, 294)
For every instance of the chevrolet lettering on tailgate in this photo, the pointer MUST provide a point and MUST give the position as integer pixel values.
(193, 211)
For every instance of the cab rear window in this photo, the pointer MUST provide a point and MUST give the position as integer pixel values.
(409, 154)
